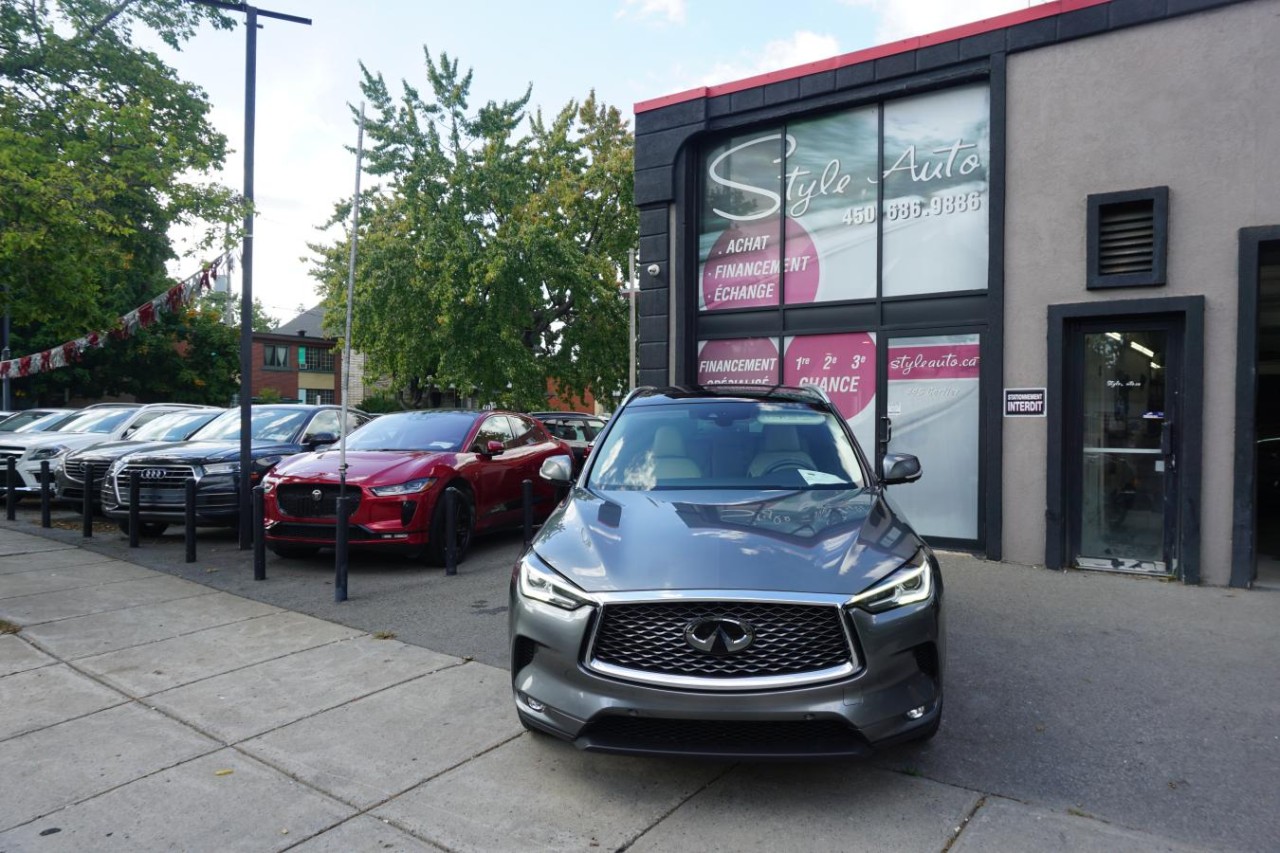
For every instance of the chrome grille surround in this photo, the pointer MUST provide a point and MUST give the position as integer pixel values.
(167, 489)
(74, 469)
(799, 640)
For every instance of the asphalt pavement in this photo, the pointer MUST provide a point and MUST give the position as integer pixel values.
(147, 703)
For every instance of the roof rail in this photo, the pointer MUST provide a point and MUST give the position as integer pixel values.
(817, 389)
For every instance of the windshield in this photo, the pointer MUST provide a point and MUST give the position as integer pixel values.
(31, 421)
(726, 444)
(174, 426)
(413, 431)
(271, 424)
(100, 421)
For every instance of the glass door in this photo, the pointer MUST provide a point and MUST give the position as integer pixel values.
(1125, 484)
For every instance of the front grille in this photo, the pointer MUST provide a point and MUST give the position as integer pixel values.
(790, 639)
(314, 501)
(160, 485)
(74, 469)
(724, 737)
(11, 452)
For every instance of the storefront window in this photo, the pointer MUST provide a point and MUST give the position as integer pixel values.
(933, 407)
(745, 361)
(844, 366)
(936, 151)
(740, 231)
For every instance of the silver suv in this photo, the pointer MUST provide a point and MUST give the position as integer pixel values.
(726, 578)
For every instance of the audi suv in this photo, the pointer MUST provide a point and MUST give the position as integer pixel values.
(727, 578)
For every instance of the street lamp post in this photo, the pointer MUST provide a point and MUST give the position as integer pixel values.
(251, 14)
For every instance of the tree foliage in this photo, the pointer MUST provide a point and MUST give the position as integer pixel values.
(491, 255)
(102, 150)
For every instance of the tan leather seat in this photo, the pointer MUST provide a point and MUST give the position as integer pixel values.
(670, 461)
(781, 449)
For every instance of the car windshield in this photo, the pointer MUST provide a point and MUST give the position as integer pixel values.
(31, 421)
(272, 424)
(174, 426)
(100, 421)
(726, 444)
(413, 431)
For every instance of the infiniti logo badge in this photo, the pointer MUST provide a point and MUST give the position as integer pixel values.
(719, 635)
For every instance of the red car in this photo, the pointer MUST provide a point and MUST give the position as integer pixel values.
(399, 467)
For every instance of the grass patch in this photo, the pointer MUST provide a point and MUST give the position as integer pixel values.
(7, 627)
(384, 635)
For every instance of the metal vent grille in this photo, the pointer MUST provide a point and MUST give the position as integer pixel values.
(790, 639)
(1127, 237)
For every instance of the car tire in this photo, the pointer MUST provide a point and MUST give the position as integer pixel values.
(466, 523)
(145, 528)
(293, 552)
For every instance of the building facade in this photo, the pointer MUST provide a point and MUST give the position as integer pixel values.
(1038, 251)
(298, 362)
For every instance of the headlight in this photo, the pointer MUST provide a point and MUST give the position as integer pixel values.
(910, 584)
(222, 468)
(48, 453)
(542, 584)
(412, 487)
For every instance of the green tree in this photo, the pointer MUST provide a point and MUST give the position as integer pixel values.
(102, 150)
(492, 254)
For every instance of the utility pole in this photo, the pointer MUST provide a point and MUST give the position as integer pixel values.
(251, 14)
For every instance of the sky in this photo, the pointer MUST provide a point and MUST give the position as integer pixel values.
(625, 50)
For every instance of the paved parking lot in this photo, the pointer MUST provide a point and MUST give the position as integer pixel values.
(1084, 711)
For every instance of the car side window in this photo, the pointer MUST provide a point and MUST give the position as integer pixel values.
(326, 421)
(525, 432)
(494, 428)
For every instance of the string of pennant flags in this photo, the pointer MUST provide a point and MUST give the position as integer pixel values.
(128, 325)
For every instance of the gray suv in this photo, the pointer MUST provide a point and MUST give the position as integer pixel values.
(727, 578)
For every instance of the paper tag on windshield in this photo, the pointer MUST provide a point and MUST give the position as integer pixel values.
(820, 478)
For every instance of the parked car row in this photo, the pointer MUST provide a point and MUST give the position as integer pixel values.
(400, 468)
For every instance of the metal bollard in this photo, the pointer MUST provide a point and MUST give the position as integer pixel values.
(86, 505)
(450, 532)
(259, 536)
(45, 497)
(11, 488)
(191, 519)
(526, 495)
(340, 538)
(135, 495)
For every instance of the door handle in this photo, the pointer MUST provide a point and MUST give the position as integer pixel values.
(1166, 438)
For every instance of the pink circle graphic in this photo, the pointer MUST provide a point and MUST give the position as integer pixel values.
(842, 365)
(746, 361)
(743, 270)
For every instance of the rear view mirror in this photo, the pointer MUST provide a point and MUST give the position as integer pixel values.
(900, 468)
(320, 439)
(493, 448)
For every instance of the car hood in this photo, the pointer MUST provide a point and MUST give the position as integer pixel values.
(115, 449)
(813, 541)
(208, 452)
(364, 467)
(73, 440)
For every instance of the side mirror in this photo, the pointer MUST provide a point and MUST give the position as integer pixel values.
(557, 470)
(900, 468)
(493, 448)
(319, 439)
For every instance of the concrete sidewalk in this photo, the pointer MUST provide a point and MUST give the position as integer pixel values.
(142, 711)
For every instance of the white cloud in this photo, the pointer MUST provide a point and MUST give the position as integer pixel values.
(664, 11)
(901, 19)
(803, 46)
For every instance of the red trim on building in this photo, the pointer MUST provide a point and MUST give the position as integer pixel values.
(1009, 19)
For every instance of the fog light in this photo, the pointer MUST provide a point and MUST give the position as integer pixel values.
(532, 704)
(915, 713)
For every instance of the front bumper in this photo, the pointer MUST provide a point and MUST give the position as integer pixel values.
(899, 668)
(397, 522)
(217, 500)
